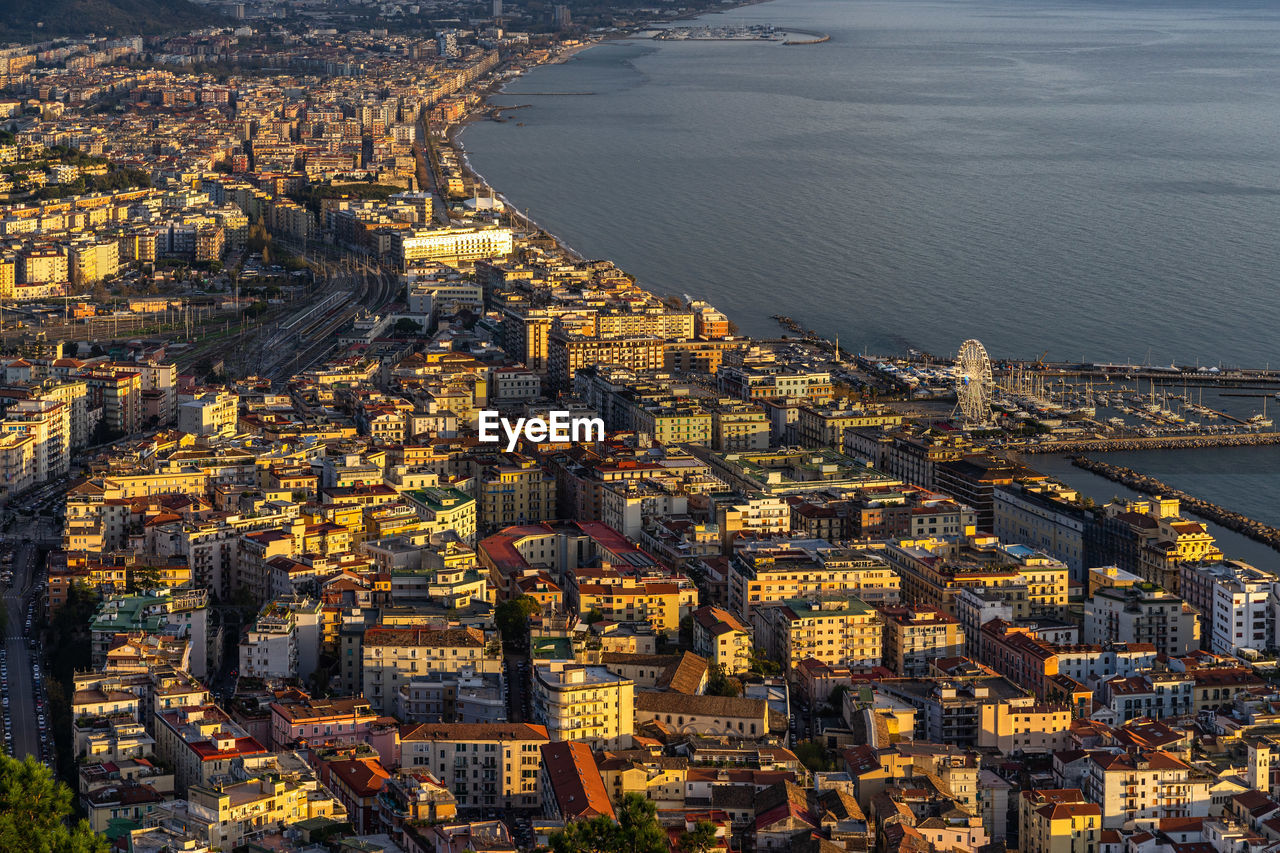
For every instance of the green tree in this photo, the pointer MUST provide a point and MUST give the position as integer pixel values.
(258, 237)
(814, 756)
(143, 579)
(593, 616)
(405, 326)
(701, 839)
(836, 700)
(596, 835)
(512, 615)
(761, 665)
(720, 684)
(34, 810)
(638, 829)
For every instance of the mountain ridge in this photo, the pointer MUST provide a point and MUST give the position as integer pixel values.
(18, 18)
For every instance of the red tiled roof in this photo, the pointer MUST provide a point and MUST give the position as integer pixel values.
(575, 780)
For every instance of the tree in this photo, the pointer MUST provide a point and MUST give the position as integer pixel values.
(814, 756)
(405, 326)
(512, 615)
(258, 237)
(720, 684)
(34, 809)
(761, 665)
(638, 829)
(143, 579)
(593, 616)
(701, 839)
(596, 835)
(836, 699)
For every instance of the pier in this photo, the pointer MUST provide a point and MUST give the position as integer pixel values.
(814, 38)
(1157, 442)
(1241, 524)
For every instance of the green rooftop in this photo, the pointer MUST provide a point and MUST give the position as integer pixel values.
(804, 607)
(437, 498)
(551, 648)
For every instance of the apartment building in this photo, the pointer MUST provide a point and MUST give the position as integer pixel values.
(1058, 821)
(514, 490)
(1044, 515)
(1025, 726)
(1236, 602)
(567, 353)
(201, 742)
(914, 637)
(1143, 785)
(660, 601)
(421, 245)
(297, 718)
(935, 570)
(722, 639)
(284, 641)
(226, 816)
(836, 631)
(391, 657)
(1142, 614)
(584, 703)
(48, 423)
(777, 571)
(212, 413)
(824, 426)
(482, 764)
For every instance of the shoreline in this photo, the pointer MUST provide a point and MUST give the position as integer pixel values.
(453, 135)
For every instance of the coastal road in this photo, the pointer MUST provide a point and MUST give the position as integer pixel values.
(427, 172)
(21, 686)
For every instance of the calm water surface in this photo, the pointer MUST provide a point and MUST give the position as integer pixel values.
(1097, 180)
(1100, 181)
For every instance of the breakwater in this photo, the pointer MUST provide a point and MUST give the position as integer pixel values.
(1229, 519)
(1168, 442)
(815, 38)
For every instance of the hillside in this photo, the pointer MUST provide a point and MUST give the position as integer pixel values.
(103, 17)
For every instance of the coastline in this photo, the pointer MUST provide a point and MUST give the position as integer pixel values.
(453, 135)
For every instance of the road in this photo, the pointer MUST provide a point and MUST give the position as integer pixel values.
(424, 151)
(21, 692)
(518, 675)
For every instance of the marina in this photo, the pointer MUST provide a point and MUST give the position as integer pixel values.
(754, 32)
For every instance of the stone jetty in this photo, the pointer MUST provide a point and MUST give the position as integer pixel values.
(1242, 524)
(1167, 442)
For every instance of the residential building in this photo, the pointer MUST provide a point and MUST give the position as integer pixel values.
(584, 703)
(493, 765)
(836, 631)
(393, 656)
(1143, 785)
(1058, 821)
(1142, 614)
(722, 639)
(916, 636)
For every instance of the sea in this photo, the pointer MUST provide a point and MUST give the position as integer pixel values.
(1090, 181)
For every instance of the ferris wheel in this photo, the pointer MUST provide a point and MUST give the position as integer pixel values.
(974, 387)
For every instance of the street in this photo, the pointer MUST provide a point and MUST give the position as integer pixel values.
(19, 685)
(28, 526)
(517, 681)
